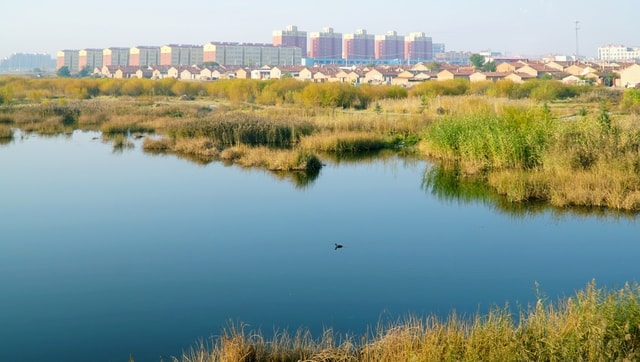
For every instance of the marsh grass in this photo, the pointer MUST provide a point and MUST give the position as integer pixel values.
(526, 154)
(345, 142)
(593, 325)
(239, 128)
(272, 159)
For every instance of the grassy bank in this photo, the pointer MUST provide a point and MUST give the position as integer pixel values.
(529, 153)
(593, 325)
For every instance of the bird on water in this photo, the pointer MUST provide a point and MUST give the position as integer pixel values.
(338, 246)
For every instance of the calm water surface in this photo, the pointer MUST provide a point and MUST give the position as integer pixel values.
(104, 254)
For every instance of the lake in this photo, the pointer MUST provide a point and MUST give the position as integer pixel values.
(109, 253)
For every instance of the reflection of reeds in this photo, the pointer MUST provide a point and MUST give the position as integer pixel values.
(593, 325)
(5, 132)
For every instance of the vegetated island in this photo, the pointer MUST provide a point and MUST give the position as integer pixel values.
(541, 140)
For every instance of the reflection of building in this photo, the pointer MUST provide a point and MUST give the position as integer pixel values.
(144, 56)
(181, 55)
(69, 59)
(90, 58)
(418, 47)
(389, 46)
(115, 56)
(251, 54)
(358, 45)
(325, 44)
(291, 37)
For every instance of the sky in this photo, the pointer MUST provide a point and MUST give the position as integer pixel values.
(531, 28)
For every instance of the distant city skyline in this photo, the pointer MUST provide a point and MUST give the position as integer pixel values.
(530, 29)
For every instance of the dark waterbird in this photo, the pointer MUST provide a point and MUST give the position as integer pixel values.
(338, 246)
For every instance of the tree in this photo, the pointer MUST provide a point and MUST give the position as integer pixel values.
(489, 66)
(84, 72)
(434, 66)
(63, 72)
(477, 60)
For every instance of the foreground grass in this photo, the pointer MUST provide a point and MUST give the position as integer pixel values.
(593, 325)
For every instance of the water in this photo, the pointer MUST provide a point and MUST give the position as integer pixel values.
(109, 253)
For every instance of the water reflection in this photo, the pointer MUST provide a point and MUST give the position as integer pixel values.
(447, 183)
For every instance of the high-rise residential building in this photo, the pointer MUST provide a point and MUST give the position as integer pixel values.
(291, 37)
(418, 47)
(618, 52)
(251, 54)
(181, 55)
(68, 58)
(115, 56)
(325, 44)
(389, 46)
(19, 62)
(438, 48)
(90, 59)
(358, 46)
(144, 56)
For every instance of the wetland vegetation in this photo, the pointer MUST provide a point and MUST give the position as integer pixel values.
(541, 141)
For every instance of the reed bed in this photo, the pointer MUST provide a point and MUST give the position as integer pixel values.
(272, 159)
(593, 325)
(526, 154)
(242, 129)
(345, 142)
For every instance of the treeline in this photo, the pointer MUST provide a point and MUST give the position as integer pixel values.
(276, 92)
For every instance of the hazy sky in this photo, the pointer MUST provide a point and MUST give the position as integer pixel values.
(529, 28)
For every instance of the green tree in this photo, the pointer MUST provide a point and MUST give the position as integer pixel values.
(477, 60)
(63, 72)
(84, 72)
(489, 66)
(434, 66)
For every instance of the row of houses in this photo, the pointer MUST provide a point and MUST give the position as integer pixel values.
(518, 72)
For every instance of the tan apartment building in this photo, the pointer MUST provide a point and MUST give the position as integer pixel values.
(144, 56)
(181, 55)
(68, 58)
(115, 56)
(91, 58)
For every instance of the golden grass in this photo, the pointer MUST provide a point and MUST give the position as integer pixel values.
(271, 159)
(593, 325)
(345, 142)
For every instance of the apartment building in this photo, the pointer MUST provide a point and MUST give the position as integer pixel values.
(325, 44)
(418, 47)
(251, 54)
(389, 46)
(90, 58)
(358, 46)
(181, 55)
(144, 56)
(617, 53)
(291, 37)
(115, 56)
(68, 58)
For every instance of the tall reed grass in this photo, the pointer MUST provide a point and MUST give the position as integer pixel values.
(593, 325)
(242, 129)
